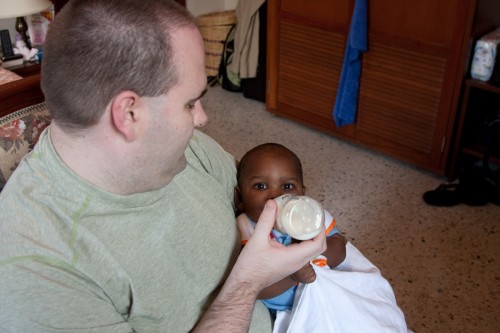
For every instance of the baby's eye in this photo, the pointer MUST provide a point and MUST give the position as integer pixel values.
(191, 106)
(260, 186)
(288, 186)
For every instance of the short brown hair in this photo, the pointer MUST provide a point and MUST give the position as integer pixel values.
(96, 49)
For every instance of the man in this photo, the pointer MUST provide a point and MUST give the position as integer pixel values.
(121, 219)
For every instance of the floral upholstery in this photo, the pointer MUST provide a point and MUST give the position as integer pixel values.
(19, 132)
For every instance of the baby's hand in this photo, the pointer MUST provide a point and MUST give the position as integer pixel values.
(304, 275)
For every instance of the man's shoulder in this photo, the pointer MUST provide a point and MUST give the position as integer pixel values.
(206, 151)
(203, 141)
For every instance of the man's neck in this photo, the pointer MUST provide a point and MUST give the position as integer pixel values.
(91, 157)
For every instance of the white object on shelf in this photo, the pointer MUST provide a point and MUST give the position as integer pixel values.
(28, 54)
(485, 54)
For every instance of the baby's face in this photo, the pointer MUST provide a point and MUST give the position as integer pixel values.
(268, 176)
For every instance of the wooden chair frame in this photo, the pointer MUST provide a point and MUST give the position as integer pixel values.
(19, 94)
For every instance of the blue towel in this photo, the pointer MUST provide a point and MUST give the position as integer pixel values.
(346, 103)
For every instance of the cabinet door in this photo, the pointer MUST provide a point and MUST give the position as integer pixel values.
(305, 53)
(410, 78)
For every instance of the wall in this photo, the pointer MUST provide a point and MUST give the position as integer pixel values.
(200, 7)
(9, 24)
(196, 7)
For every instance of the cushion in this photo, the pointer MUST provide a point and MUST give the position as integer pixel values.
(19, 132)
(7, 76)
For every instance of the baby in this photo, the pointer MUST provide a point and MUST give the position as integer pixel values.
(266, 172)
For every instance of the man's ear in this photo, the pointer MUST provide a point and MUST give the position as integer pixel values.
(125, 115)
(303, 190)
(237, 199)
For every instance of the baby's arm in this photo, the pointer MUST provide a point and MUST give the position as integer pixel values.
(335, 251)
(304, 275)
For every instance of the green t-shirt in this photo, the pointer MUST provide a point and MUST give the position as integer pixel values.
(75, 258)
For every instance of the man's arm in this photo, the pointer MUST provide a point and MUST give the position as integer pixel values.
(261, 263)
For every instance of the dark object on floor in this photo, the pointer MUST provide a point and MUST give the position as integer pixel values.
(445, 195)
(478, 184)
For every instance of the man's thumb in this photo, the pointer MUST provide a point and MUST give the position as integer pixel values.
(267, 218)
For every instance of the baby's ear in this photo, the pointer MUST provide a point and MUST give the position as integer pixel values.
(238, 203)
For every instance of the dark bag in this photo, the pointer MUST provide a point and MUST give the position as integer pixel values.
(481, 183)
(227, 79)
(477, 184)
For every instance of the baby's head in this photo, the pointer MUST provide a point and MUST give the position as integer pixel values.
(266, 172)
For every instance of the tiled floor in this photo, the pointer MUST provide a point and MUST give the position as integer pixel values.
(443, 263)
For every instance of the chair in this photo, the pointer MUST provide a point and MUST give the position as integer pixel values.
(23, 116)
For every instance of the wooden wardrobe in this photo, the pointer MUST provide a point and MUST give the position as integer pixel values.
(411, 77)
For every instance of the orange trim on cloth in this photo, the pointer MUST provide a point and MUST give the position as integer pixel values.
(331, 226)
(321, 262)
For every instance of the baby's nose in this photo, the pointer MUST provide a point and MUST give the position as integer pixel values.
(274, 193)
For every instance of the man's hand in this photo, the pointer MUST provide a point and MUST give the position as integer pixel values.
(261, 263)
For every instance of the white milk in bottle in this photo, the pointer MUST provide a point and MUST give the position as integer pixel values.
(299, 216)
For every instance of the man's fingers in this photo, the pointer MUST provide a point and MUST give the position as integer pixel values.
(266, 220)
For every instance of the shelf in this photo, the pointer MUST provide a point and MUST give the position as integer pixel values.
(483, 85)
(476, 95)
(477, 150)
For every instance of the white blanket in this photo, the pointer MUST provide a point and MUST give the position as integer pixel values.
(353, 298)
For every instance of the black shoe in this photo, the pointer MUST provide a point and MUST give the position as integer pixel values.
(445, 195)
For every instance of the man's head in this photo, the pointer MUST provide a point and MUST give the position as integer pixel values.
(123, 80)
(97, 48)
(266, 172)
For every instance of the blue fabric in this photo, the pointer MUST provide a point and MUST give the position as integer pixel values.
(284, 239)
(283, 301)
(346, 102)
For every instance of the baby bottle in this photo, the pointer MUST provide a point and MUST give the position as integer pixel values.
(299, 216)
